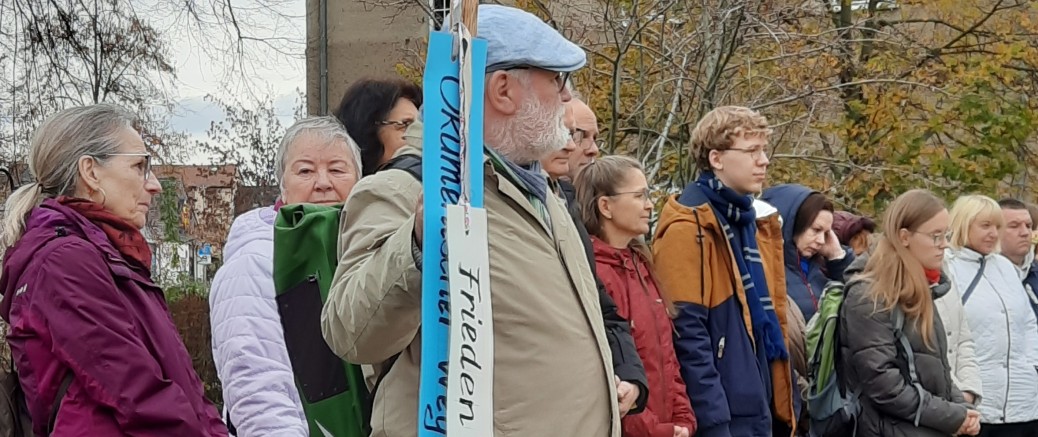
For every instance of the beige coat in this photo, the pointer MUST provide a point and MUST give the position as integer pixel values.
(552, 366)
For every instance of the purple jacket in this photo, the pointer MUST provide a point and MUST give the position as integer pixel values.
(75, 305)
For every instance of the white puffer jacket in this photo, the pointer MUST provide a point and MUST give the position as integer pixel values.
(1005, 332)
(961, 348)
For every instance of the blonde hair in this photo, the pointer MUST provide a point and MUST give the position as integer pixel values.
(54, 153)
(719, 129)
(965, 211)
(896, 278)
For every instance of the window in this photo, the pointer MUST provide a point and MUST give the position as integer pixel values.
(440, 9)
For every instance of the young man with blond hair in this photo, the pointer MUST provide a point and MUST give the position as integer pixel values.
(719, 256)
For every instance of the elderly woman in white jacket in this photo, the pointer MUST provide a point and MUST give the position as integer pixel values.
(1003, 326)
(317, 162)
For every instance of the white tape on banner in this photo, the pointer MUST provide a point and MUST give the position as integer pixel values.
(470, 377)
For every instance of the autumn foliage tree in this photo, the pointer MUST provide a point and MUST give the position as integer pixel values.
(868, 98)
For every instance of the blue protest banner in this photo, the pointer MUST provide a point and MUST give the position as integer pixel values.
(445, 119)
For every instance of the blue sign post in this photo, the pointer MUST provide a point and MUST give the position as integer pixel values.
(452, 157)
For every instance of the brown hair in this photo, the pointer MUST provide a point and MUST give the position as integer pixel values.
(601, 178)
(719, 128)
(813, 205)
(897, 278)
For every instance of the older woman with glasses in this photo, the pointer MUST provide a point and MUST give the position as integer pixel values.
(91, 336)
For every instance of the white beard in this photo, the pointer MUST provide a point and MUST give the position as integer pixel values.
(533, 133)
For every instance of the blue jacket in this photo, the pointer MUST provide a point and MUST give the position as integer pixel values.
(804, 289)
(735, 391)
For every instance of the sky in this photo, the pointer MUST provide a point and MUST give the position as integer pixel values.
(277, 74)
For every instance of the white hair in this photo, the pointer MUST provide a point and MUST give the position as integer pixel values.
(326, 127)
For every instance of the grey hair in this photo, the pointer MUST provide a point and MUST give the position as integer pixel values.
(326, 127)
(54, 153)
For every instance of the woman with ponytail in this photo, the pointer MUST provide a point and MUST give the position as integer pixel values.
(615, 205)
(891, 296)
(95, 347)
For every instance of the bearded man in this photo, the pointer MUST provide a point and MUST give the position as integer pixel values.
(553, 372)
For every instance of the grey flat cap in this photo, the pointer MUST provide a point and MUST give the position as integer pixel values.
(516, 38)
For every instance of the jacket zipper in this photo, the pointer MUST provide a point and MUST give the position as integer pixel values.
(655, 323)
(810, 291)
(1009, 347)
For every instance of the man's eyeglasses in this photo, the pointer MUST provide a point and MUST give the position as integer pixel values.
(560, 78)
(577, 135)
(755, 153)
(144, 167)
(939, 238)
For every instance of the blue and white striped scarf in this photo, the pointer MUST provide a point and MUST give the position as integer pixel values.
(739, 221)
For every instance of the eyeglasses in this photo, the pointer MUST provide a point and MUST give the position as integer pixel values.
(577, 135)
(144, 167)
(938, 237)
(638, 195)
(755, 153)
(560, 78)
(400, 125)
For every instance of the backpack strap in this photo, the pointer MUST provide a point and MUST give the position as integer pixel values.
(406, 162)
(62, 390)
(899, 333)
(976, 279)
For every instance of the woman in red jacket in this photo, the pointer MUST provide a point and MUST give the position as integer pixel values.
(615, 204)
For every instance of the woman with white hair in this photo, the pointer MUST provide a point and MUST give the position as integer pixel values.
(317, 163)
(1003, 326)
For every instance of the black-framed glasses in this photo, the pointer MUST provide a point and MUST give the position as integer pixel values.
(561, 78)
(398, 124)
(145, 166)
(938, 237)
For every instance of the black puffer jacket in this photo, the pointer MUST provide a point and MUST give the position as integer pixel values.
(873, 360)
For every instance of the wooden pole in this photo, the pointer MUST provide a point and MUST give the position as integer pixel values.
(469, 10)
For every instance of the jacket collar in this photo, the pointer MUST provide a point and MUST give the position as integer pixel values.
(74, 223)
(609, 255)
(968, 254)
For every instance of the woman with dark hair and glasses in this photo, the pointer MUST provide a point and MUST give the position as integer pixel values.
(376, 112)
(91, 336)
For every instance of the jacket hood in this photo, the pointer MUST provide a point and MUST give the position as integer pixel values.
(253, 226)
(609, 255)
(857, 266)
(787, 198)
(45, 222)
